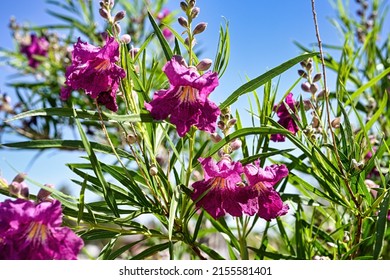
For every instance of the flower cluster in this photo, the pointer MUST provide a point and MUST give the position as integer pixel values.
(37, 46)
(30, 231)
(94, 70)
(186, 101)
(285, 118)
(222, 191)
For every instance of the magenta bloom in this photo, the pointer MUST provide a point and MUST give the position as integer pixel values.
(218, 193)
(38, 46)
(285, 118)
(30, 231)
(186, 101)
(94, 70)
(264, 200)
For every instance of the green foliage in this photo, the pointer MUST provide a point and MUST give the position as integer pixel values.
(137, 204)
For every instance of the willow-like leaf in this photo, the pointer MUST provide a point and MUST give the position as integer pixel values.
(262, 79)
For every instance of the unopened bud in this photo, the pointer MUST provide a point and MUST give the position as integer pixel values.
(305, 86)
(153, 170)
(321, 94)
(183, 22)
(309, 66)
(126, 38)
(192, 3)
(204, 64)
(43, 194)
(183, 6)
(19, 189)
(215, 137)
(221, 125)
(187, 41)
(195, 12)
(131, 138)
(313, 88)
(200, 28)
(302, 73)
(317, 77)
(133, 52)
(336, 123)
(235, 144)
(19, 178)
(307, 105)
(116, 28)
(232, 122)
(119, 16)
(104, 13)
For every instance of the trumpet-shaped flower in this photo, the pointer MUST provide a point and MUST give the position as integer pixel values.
(186, 100)
(285, 118)
(219, 193)
(264, 200)
(38, 46)
(94, 70)
(30, 231)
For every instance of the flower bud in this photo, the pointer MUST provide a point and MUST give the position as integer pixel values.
(153, 170)
(19, 178)
(186, 41)
(199, 28)
(307, 105)
(195, 12)
(221, 125)
(235, 144)
(43, 194)
(305, 86)
(119, 16)
(302, 74)
(231, 122)
(313, 88)
(183, 6)
(215, 137)
(183, 22)
(133, 52)
(317, 77)
(192, 3)
(116, 28)
(336, 123)
(104, 13)
(126, 38)
(204, 64)
(131, 138)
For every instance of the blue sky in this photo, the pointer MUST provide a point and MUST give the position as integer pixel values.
(262, 35)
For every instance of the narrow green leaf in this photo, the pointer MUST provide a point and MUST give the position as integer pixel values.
(381, 226)
(164, 44)
(262, 79)
(172, 210)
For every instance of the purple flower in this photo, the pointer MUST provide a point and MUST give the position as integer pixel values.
(218, 193)
(285, 118)
(186, 100)
(30, 231)
(264, 200)
(94, 70)
(38, 46)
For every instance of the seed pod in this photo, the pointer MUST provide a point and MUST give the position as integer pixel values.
(199, 28)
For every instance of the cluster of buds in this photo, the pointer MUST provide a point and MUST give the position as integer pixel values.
(366, 20)
(307, 73)
(105, 12)
(5, 104)
(17, 187)
(191, 12)
(225, 123)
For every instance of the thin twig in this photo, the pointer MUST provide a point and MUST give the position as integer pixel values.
(327, 106)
